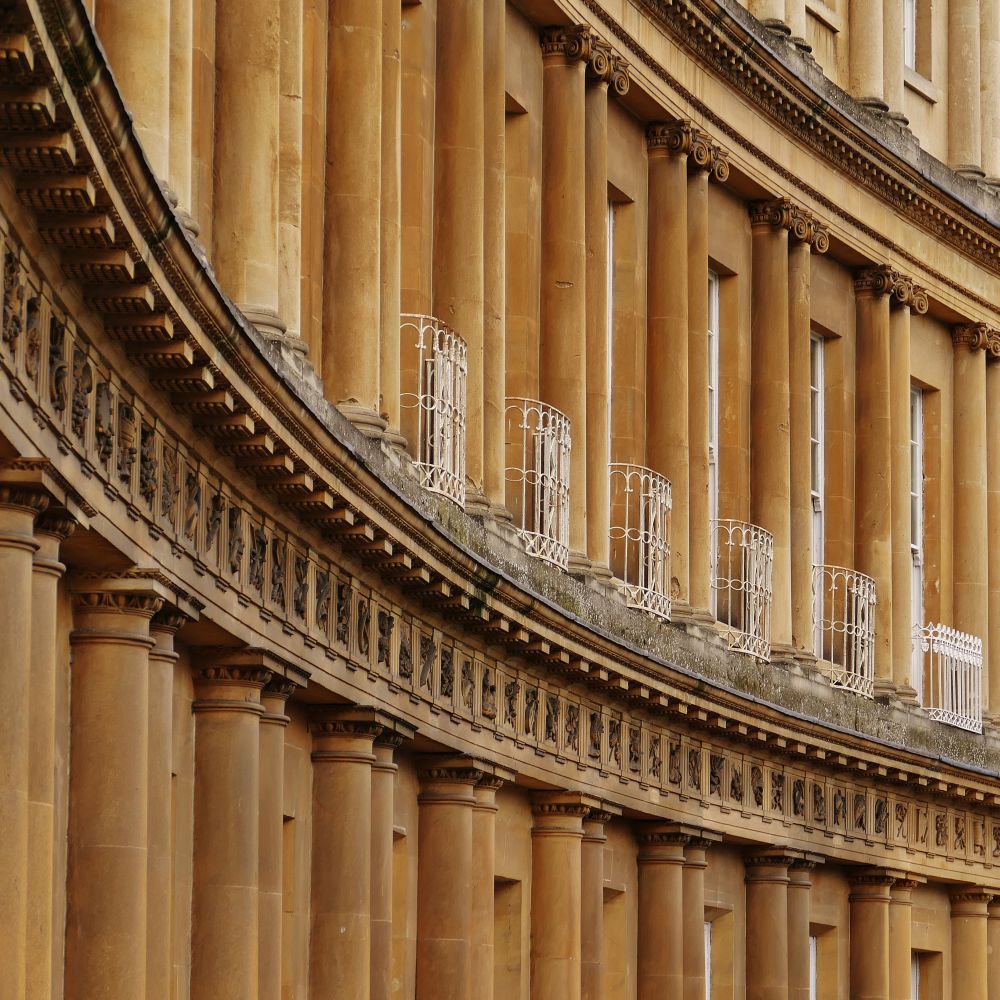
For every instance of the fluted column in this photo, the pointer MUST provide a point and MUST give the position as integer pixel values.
(695, 863)
(989, 77)
(901, 938)
(106, 882)
(867, 82)
(869, 902)
(971, 526)
(445, 876)
(799, 886)
(606, 70)
(159, 841)
(769, 960)
(895, 59)
(992, 685)
(592, 902)
(965, 151)
(51, 529)
(556, 838)
(383, 820)
(661, 912)
(224, 906)
(19, 506)
(714, 165)
(351, 251)
(270, 882)
(669, 146)
(969, 943)
(136, 38)
(873, 512)
(247, 140)
(563, 355)
(484, 817)
(494, 252)
(340, 943)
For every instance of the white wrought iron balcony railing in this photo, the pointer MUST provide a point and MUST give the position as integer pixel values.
(948, 675)
(640, 536)
(844, 627)
(742, 561)
(433, 390)
(538, 443)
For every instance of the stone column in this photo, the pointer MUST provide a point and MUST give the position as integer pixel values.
(459, 180)
(290, 181)
(993, 947)
(695, 863)
(391, 222)
(383, 821)
(19, 506)
(270, 882)
(873, 512)
(445, 876)
(969, 943)
(136, 38)
(965, 123)
(556, 838)
(992, 687)
(484, 816)
(699, 529)
(867, 82)
(563, 355)
(51, 529)
(989, 77)
(971, 523)
(795, 18)
(245, 224)
(606, 69)
(770, 465)
(661, 912)
(771, 13)
(769, 959)
(159, 808)
(869, 901)
(494, 253)
(182, 108)
(901, 938)
(592, 902)
(224, 906)
(106, 882)
(340, 943)
(351, 276)
(895, 59)
(669, 146)
(799, 884)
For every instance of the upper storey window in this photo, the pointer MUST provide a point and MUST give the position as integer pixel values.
(910, 33)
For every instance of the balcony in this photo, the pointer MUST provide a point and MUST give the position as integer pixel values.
(844, 627)
(433, 379)
(948, 675)
(640, 537)
(742, 561)
(537, 439)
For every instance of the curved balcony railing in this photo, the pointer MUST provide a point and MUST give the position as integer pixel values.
(742, 561)
(640, 536)
(537, 438)
(433, 390)
(844, 627)
(948, 675)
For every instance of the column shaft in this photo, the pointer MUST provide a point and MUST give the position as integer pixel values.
(494, 251)
(902, 558)
(598, 349)
(351, 276)
(225, 906)
(867, 82)
(445, 880)
(563, 356)
(894, 58)
(900, 940)
(991, 687)
(661, 915)
(667, 338)
(769, 408)
(181, 101)
(699, 529)
(870, 936)
(694, 920)
(290, 188)
(769, 959)
(383, 820)
(245, 225)
(965, 153)
(484, 814)
(969, 944)
(993, 947)
(592, 905)
(795, 18)
(989, 77)
(873, 520)
(106, 883)
(799, 887)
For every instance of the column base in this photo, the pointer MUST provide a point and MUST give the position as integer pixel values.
(364, 418)
(783, 652)
(777, 26)
(885, 690)
(971, 170)
(265, 320)
(992, 182)
(907, 695)
(579, 564)
(899, 118)
(802, 45)
(395, 440)
(875, 104)
(476, 502)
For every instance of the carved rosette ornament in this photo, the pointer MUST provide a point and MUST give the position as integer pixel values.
(974, 336)
(574, 42)
(606, 67)
(684, 138)
(802, 225)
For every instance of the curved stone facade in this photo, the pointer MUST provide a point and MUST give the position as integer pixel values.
(499, 498)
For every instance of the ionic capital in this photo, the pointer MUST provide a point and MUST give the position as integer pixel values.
(908, 293)
(574, 42)
(874, 884)
(974, 336)
(170, 620)
(57, 523)
(802, 225)
(971, 900)
(876, 281)
(683, 138)
(606, 66)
